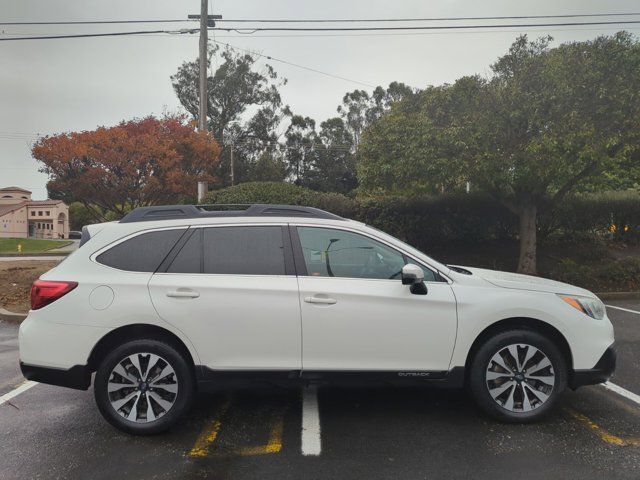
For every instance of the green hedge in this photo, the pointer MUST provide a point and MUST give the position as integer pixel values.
(469, 218)
(283, 194)
(616, 214)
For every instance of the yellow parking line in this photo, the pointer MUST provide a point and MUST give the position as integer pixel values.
(274, 445)
(604, 435)
(209, 433)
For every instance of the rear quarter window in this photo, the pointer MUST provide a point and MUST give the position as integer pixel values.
(142, 253)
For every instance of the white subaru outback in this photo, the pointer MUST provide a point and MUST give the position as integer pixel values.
(173, 299)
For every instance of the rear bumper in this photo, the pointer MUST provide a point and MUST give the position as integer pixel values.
(78, 376)
(598, 374)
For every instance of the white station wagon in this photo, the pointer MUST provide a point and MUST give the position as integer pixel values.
(173, 299)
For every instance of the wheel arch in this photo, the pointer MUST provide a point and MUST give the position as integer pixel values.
(134, 332)
(532, 324)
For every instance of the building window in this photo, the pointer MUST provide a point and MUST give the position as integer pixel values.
(33, 213)
(47, 213)
(39, 213)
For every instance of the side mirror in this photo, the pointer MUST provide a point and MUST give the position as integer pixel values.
(414, 276)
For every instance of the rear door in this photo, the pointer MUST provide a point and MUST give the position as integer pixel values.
(357, 315)
(233, 291)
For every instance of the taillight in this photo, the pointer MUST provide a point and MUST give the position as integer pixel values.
(44, 292)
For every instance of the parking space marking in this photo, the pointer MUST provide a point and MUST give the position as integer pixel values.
(274, 444)
(17, 391)
(627, 407)
(311, 442)
(604, 435)
(209, 434)
(204, 442)
(624, 309)
(622, 392)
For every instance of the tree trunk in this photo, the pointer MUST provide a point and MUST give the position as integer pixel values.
(528, 230)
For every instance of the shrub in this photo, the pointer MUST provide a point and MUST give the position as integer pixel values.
(283, 194)
(467, 218)
(424, 221)
(615, 214)
(612, 275)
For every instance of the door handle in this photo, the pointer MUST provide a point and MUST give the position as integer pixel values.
(321, 300)
(183, 294)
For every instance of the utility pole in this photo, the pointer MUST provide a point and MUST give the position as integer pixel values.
(202, 111)
(231, 167)
(206, 21)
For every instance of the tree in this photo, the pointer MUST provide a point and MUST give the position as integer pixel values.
(299, 147)
(333, 167)
(244, 106)
(412, 149)
(136, 163)
(269, 167)
(547, 120)
(325, 160)
(359, 109)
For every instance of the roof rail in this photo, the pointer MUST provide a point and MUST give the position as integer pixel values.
(176, 212)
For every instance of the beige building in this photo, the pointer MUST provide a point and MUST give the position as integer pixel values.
(21, 217)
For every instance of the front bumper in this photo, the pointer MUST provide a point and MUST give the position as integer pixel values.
(78, 376)
(598, 374)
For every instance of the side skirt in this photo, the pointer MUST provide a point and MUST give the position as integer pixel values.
(209, 379)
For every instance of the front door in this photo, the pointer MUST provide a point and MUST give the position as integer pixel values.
(233, 292)
(357, 315)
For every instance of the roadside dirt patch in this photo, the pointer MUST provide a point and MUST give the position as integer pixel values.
(16, 278)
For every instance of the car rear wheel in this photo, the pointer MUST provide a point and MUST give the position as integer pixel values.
(144, 387)
(518, 376)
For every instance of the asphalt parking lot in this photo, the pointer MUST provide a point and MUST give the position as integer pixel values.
(50, 432)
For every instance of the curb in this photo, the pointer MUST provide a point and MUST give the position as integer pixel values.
(7, 316)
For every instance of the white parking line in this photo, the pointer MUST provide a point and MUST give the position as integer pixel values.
(622, 391)
(624, 309)
(310, 422)
(17, 391)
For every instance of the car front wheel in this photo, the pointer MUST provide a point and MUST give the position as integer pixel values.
(518, 376)
(143, 387)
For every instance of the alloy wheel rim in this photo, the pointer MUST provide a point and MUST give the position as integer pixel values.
(142, 387)
(520, 377)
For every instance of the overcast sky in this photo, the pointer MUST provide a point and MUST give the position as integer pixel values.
(52, 86)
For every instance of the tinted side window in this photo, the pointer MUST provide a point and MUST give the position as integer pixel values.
(189, 259)
(244, 250)
(142, 253)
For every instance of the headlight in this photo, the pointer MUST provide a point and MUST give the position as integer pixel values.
(587, 305)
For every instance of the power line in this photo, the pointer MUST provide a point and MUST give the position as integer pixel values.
(328, 20)
(269, 57)
(86, 35)
(431, 19)
(97, 22)
(422, 27)
(397, 34)
(250, 31)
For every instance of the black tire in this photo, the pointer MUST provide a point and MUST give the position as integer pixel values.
(183, 378)
(479, 385)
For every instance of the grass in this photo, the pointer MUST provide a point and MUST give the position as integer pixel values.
(29, 245)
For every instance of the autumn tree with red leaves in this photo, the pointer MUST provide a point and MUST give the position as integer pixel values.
(141, 162)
